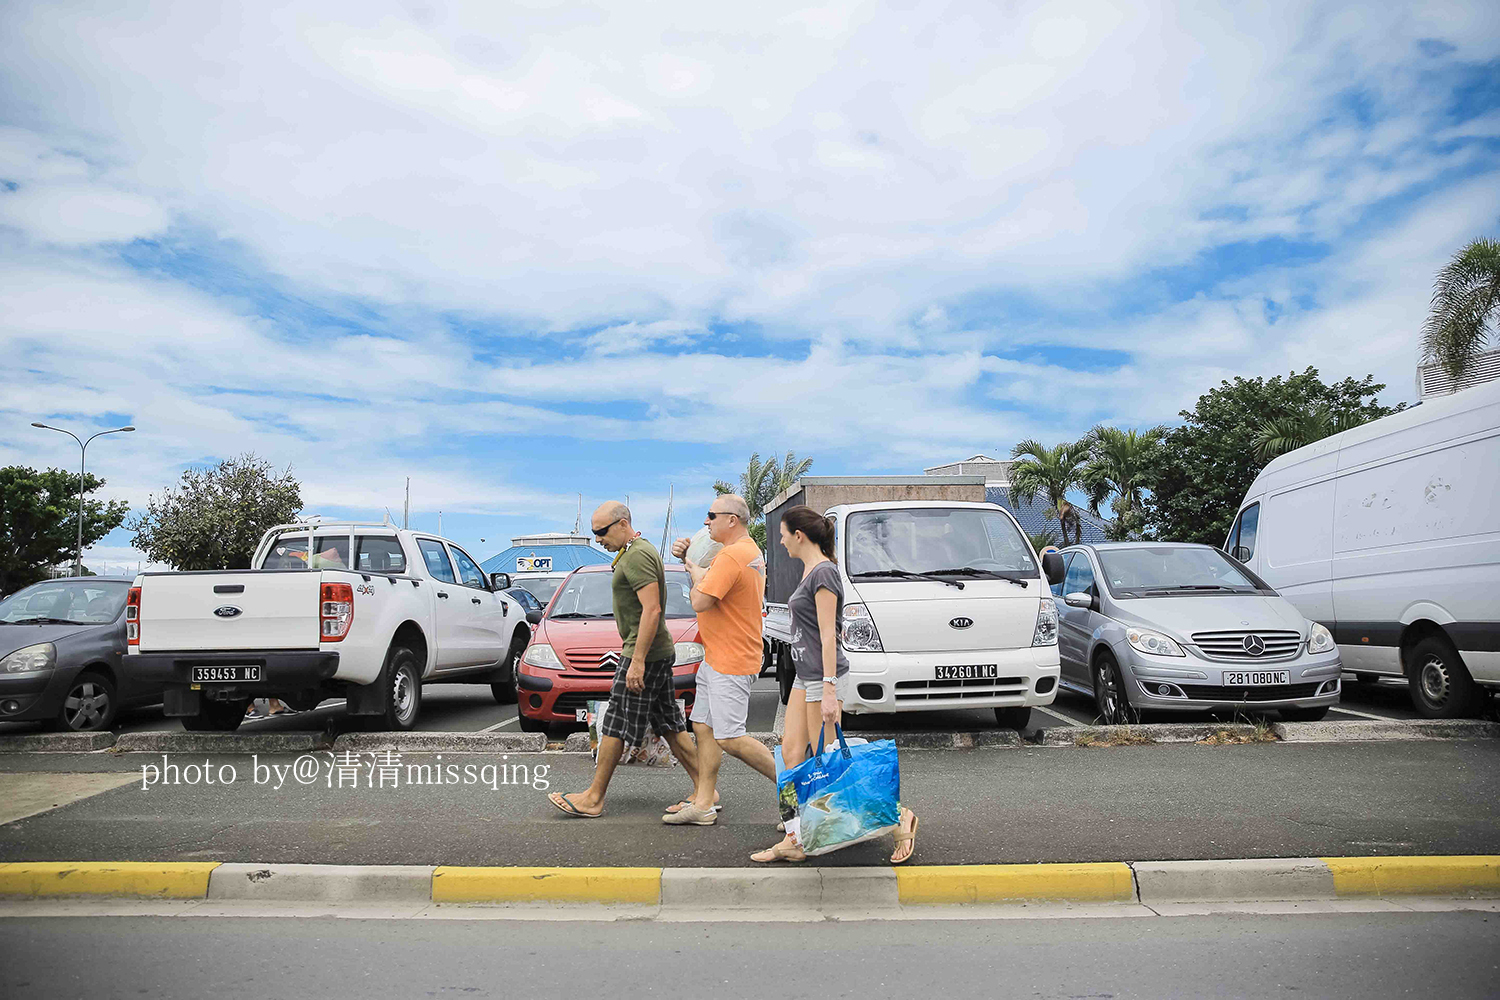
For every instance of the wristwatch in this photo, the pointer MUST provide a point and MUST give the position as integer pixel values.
(830, 680)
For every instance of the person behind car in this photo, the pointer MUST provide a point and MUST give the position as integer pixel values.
(817, 699)
(727, 597)
(642, 697)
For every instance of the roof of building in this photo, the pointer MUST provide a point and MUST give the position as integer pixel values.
(566, 552)
(995, 470)
(1034, 518)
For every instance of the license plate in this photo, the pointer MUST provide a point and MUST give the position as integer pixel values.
(1256, 678)
(968, 671)
(226, 674)
(581, 714)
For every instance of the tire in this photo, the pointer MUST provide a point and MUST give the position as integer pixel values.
(1441, 687)
(1110, 695)
(529, 725)
(401, 687)
(1303, 714)
(216, 716)
(89, 706)
(785, 674)
(1016, 717)
(505, 691)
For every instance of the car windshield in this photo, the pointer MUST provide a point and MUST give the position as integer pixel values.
(1170, 569)
(936, 540)
(541, 587)
(587, 595)
(78, 602)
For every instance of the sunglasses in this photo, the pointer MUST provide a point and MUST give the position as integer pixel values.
(601, 532)
(719, 513)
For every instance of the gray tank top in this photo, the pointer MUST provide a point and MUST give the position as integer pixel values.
(807, 641)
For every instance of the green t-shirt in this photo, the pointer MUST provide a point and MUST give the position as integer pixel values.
(636, 566)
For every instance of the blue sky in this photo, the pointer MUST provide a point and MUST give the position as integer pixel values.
(520, 252)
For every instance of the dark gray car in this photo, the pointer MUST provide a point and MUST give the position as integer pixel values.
(1174, 627)
(62, 643)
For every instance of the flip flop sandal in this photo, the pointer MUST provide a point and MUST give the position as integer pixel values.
(793, 855)
(567, 808)
(687, 802)
(912, 839)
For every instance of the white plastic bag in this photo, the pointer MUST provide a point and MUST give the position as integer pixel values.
(702, 548)
(655, 752)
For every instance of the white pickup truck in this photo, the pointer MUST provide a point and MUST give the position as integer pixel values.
(946, 604)
(363, 612)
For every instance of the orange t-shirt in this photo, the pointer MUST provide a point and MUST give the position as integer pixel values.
(730, 630)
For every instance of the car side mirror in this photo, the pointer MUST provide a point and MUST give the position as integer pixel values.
(1240, 553)
(499, 581)
(1078, 599)
(1052, 567)
(534, 617)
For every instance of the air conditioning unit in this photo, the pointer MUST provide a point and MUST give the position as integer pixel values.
(1433, 380)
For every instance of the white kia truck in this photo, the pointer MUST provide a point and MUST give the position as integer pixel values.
(367, 613)
(946, 604)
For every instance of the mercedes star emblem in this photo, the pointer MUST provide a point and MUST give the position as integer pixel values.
(1254, 645)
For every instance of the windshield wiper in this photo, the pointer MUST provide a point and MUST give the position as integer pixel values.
(902, 574)
(44, 621)
(577, 614)
(1193, 588)
(988, 574)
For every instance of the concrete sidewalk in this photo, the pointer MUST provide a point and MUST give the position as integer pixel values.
(1016, 805)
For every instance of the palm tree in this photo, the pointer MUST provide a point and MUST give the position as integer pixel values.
(1051, 472)
(1465, 299)
(761, 482)
(1291, 431)
(792, 469)
(1118, 470)
(1041, 539)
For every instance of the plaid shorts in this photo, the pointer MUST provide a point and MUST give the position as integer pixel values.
(630, 715)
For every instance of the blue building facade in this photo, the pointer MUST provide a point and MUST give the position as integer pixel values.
(549, 552)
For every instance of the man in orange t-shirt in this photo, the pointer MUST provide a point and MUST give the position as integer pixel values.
(727, 596)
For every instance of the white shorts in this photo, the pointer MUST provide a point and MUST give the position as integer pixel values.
(815, 690)
(723, 701)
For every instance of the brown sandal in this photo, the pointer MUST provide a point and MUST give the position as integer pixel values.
(777, 852)
(910, 838)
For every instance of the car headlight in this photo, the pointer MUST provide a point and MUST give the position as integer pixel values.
(1152, 642)
(1319, 639)
(30, 659)
(857, 631)
(539, 654)
(1046, 624)
(688, 652)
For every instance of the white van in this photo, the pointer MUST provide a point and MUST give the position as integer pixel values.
(1389, 535)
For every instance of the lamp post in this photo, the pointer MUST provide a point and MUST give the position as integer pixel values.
(83, 448)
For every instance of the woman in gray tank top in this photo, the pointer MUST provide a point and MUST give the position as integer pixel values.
(818, 693)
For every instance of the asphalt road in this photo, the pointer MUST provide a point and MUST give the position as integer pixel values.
(1360, 955)
(1002, 805)
(471, 708)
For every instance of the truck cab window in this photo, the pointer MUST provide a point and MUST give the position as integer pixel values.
(379, 554)
(436, 558)
(468, 571)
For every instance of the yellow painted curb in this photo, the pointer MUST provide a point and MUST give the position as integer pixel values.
(155, 880)
(546, 885)
(1463, 875)
(1083, 883)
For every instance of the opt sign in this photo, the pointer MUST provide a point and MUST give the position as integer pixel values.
(533, 564)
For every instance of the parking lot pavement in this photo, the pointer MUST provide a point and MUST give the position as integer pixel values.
(1345, 955)
(983, 806)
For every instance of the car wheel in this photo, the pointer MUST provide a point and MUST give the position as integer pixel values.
(529, 725)
(1441, 687)
(1304, 714)
(1109, 693)
(1016, 717)
(216, 716)
(402, 690)
(505, 691)
(90, 704)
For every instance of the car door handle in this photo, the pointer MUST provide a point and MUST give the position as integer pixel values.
(475, 600)
(443, 595)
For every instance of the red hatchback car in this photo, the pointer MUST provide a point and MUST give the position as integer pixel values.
(575, 649)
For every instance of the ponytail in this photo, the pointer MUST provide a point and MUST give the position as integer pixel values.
(817, 528)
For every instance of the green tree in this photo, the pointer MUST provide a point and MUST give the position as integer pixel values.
(1290, 431)
(759, 485)
(214, 517)
(1118, 470)
(1041, 539)
(1465, 302)
(1050, 473)
(39, 522)
(1203, 468)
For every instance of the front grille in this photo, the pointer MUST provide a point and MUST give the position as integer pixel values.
(590, 659)
(568, 704)
(1231, 645)
(1270, 692)
(973, 687)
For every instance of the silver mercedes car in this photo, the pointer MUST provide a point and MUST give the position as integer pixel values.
(1172, 627)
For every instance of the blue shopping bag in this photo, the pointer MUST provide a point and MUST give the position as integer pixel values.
(844, 795)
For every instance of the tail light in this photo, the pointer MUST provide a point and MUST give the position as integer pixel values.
(336, 610)
(133, 617)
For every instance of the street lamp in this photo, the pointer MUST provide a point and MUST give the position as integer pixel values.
(83, 448)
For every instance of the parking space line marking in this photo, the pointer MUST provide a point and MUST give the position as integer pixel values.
(1366, 715)
(501, 725)
(1057, 715)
